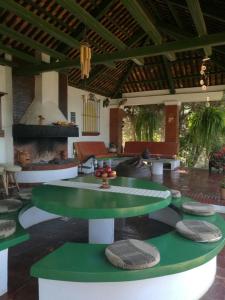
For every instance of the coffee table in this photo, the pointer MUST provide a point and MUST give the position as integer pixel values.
(99, 206)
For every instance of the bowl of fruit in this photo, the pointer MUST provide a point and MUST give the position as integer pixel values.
(105, 174)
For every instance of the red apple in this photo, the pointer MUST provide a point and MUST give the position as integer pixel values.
(108, 169)
(100, 170)
(104, 175)
(113, 174)
(98, 173)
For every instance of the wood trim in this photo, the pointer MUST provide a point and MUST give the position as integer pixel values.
(85, 133)
(2, 133)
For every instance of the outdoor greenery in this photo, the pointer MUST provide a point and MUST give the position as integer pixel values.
(144, 123)
(202, 128)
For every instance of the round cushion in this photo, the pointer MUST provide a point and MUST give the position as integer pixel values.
(132, 254)
(13, 168)
(199, 231)
(175, 193)
(7, 228)
(197, 208)
(10, 205)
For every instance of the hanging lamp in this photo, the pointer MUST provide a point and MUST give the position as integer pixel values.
(85, 59)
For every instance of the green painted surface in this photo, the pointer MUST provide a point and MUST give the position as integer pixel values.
(33, 19)
(87, 262)
(197, 16)
(185, 44)
(29, 42)
(89, 204)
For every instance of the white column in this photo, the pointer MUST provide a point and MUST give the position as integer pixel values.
(6, 142)
(101, 231)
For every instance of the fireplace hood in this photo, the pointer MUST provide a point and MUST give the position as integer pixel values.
(45, 104)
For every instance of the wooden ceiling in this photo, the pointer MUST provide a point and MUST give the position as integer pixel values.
(138, 45)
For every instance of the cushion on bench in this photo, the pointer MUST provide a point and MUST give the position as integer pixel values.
(199, 231)
(7, 228)
(132, 254)
(10, 205)
(199, 209)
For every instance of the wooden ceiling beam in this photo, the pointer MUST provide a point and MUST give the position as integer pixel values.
(145, 21)
(136, 38)
(4, 30)
(93, 24)
(198, 19)
(78, 32)
(117, 92)
(167, 69)
(19, 54)
(185, 44)
(207, 13)
(38, 22)
(4, 62)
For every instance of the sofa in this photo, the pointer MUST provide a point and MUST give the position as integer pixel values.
(84, 150)
(156, 149)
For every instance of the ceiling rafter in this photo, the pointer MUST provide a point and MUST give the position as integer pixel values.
(181, 34)
(94, 24)
(80, 29)
(4, 30)
(19, 54)
(167, 69)
(39, 22)
(96, 73)
(185, 44)
(198, 19)
(117, 92)
(208, 13)
(144, 19)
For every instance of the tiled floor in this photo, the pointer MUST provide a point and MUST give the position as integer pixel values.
(48, 236)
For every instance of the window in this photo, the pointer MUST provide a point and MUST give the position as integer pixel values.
(91, 116)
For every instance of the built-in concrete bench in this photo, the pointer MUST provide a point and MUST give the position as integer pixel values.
(18, 237)
(186, 270)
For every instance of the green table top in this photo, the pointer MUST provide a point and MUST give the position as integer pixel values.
(87, 262)
(90, 204)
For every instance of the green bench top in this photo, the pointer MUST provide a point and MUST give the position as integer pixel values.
(87, 263)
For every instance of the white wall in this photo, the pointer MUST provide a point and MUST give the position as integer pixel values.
(6, 143)
(75, 104)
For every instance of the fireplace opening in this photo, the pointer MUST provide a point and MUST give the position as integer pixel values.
(40, 151)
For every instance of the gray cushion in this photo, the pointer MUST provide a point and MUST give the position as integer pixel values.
(10, 205)
(197, 208)
(175, 193)
(7, 228)
(132, 254)
(199, 231)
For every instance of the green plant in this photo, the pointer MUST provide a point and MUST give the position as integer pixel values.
(206, 126)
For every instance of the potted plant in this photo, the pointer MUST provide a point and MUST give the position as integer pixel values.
(222, 189)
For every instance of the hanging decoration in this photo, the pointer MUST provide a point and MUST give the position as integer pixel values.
(204, 72)
(85, 59)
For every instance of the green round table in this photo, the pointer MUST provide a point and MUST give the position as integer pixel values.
(98, 206)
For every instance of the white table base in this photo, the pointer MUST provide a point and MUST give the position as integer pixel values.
(101, 231)
(3, 271)
(157, 168)
(188, 285)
